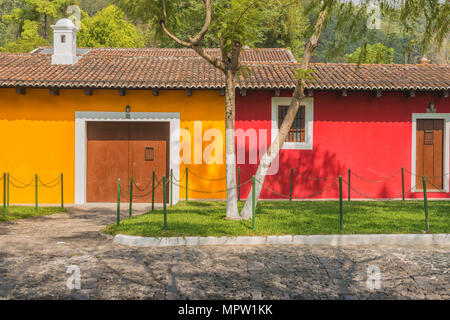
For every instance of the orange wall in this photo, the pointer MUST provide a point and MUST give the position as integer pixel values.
(37, 134)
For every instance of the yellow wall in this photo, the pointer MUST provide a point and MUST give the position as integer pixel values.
(37, 134)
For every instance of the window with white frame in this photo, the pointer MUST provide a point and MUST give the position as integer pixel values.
(300, 136)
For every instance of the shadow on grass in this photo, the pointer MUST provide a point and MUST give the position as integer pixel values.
(290, 218)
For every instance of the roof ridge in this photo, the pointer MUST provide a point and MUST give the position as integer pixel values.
(136, 71)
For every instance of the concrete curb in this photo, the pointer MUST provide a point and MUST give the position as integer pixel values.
(329, 240)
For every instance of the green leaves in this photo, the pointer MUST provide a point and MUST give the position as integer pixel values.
(377, 53)
(108, 28)
(29, 40)
(238, 21)
(424, 20)
(306, 75)
(186, 17)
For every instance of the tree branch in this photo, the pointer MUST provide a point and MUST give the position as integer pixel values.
(211, 59)
(194, 42)
(312, 43)
(235, 45)
(239, 19)
(163, 26)
(199, 37)
(299, 94)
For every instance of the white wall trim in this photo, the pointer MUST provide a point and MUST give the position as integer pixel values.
(83, 117)
(309, 123)
(446, 118)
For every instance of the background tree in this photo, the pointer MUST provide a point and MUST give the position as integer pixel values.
(91, 7)
(377, 53)
(44, 12)
(285, 25)
(108, 28)
(29, 40)
(6, 30)
(353, 23)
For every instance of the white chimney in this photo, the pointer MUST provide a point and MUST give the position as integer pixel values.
(64, 42)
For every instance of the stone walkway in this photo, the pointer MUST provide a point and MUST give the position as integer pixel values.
(35, 255)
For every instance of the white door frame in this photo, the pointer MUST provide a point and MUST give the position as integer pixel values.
(83, 117)
(446, 142)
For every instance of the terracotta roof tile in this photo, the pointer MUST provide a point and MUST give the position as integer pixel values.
(182, 68)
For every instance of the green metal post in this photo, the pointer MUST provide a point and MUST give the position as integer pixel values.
(349, 188)
(7, 189)
(425, 201)
(187, 174)
(253, 203)
(239, 184)
(341, 222)
(171, 187)
(292, 182)
(403, 184)
(4, 194)
(164, 202)
(36, 190)
(131, 197)
(62, 191)
(118, 201)
(153, 191)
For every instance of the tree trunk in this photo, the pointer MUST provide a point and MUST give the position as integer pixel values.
(45, 27)
(230, 111)
(274, 150)
(286, 125)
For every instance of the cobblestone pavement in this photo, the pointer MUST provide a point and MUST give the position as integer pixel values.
(35, 255)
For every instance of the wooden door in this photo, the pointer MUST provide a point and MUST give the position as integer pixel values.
(429, 157)
(107, 160)
(124, 150)
(149, 152)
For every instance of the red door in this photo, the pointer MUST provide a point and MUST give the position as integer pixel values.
(124, 150)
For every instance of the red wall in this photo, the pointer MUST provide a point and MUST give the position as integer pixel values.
(371, 136)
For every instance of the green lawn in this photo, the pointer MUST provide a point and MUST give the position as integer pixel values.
(15, 213)
(290, 218)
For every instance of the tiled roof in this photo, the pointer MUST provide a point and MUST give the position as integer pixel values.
(181, 68)
(247, 55)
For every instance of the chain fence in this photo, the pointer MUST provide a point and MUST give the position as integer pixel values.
(154, 184)
(10, 182)
(151, 187)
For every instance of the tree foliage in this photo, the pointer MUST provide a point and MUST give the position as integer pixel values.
(108, 28)
(377, 53)
(41, 11)
(401, 29)
(186, 17)
(29, 39)
(285, 24)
